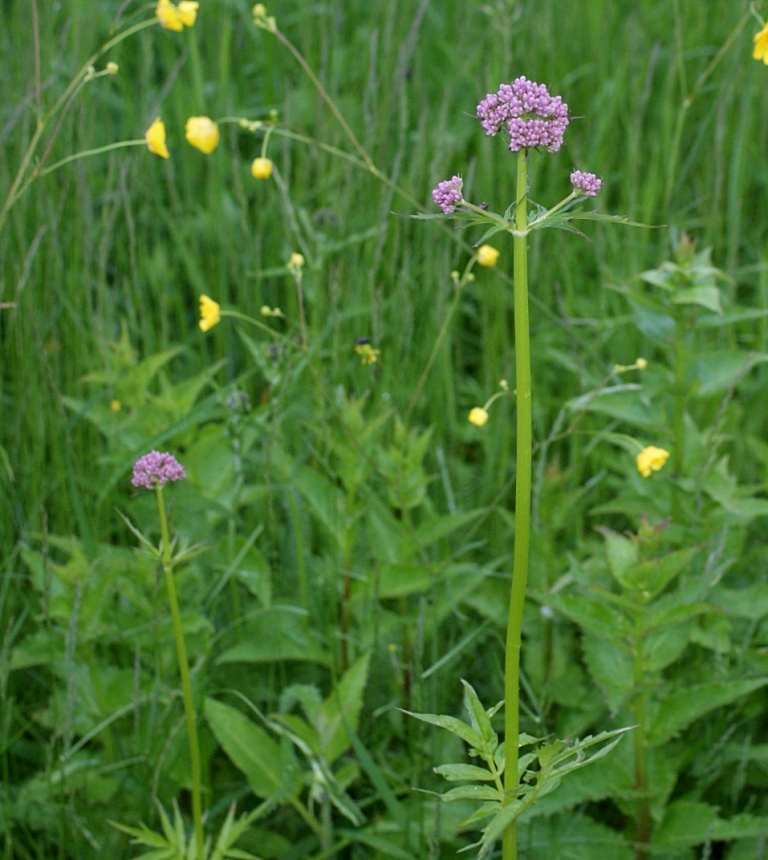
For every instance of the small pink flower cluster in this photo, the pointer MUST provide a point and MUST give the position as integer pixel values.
(447, 195)
(156, 469)
(527, 113)
(586, 183)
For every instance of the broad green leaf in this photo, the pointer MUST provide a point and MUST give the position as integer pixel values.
(653, 576)
(276, 633)
(685, 823)
(595, 616)
(251, 750)
(610, 668)
(341, 709)
(622, 555)
(673, 714)
(705, 296)
(470, 792)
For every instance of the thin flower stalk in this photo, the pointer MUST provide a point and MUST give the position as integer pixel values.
(522, 502)
(166, 561)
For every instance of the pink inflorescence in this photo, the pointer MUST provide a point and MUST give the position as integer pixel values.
(156, 469)
(527, 113)
(447, 195)
(586, 183)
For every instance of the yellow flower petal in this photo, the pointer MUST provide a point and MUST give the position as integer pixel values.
(210, 313)
(487, 255)
(155, 137)
(168, 16)
(760, 51)
(202, 133)
(651, 459)
(261, 168)
(187, 11)
(478, 416)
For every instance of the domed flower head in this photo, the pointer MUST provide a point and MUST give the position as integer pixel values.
(202, 133)
(447, 194)
(261, 168)
(478, 416)
(155, 138)
(156, 469)
(651, 459)
(210, 313)
(527, 113)
(760, 51)
(586, 183)
(487, 255)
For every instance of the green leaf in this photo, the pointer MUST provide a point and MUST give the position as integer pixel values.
(705, 296)
(453, 725)
(341, 709)
(276, 633)
(479, 720)
(467, 772)
(684, 707)
(686, 824)
(252, 751)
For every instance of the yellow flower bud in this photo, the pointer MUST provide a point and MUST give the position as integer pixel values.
(202, 133)
(112, 68)
(296, 261)
(155, 138)
(478, 416)
(261, 168)
(487, 255)
(641, 363)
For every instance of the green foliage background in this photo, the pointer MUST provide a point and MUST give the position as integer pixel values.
(338, 471)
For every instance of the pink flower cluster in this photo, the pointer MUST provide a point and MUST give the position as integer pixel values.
(527, 113)
(156, 469)
(447, 195)
(586, 183)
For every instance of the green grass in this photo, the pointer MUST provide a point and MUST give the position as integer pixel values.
(122, 244)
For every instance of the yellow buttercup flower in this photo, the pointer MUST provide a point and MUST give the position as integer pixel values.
(210, 313)
(115, 405)
(478, 416)
(368, 355)
(155, 137)
(651, 459)
(188, 12)
(487, 255)
(760, 51)
(261, 168)
(168, 16)
(202, 133)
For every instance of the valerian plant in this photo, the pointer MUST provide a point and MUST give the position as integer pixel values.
(532, 120)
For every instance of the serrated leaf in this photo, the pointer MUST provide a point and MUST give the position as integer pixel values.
(479, 719)
(453, 725)
(468, 772)
(470, 792)
(681, 709)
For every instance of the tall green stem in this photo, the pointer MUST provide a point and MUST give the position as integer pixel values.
(642, 810)
(186, 683)
(522, 503)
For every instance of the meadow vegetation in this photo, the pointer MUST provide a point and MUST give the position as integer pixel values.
(341, 541)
